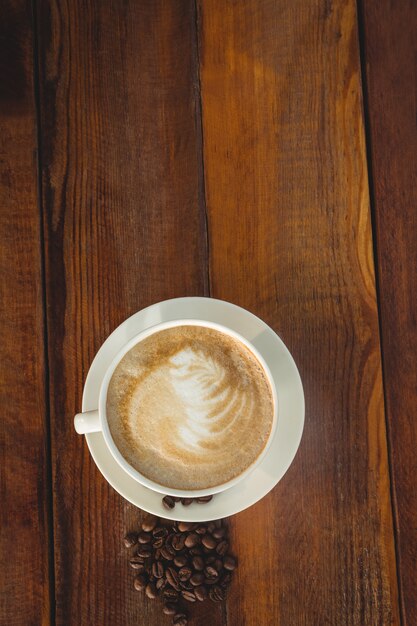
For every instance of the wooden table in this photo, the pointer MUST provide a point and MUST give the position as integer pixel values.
(257, 151)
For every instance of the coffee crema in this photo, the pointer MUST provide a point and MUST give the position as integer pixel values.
(190, 407)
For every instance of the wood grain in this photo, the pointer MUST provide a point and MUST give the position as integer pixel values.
(124, 229)
(290, 239)
(24, 576)
(391, 71)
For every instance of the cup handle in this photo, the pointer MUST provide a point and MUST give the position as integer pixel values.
(88, 422)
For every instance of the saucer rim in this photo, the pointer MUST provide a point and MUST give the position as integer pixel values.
(168, 310)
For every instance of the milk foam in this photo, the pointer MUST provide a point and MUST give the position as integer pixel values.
(190, 407)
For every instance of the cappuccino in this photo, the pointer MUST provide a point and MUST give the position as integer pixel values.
(190, 407)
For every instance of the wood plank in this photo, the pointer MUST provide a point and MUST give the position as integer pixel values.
(290, 239)
(125, 228)
(391, 71)
(25, 597)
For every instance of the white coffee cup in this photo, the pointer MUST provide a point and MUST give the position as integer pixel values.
(96, 421)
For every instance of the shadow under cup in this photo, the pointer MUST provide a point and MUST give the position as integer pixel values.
(94, 421)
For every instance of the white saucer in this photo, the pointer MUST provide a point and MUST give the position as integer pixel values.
(290, 401)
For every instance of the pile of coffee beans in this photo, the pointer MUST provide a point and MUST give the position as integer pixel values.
(170, 501)
(181, 562)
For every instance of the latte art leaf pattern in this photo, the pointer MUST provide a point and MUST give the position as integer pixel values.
(211, 403)
(190, 407)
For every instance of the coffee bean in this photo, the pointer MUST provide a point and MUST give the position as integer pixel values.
(210, 559)
(130, 540)
(151, 591)
(158, 543)
(188, 595)
(170, 594)
(176, 498)
(144, 551)
(144, 537)
(229, 562)
(184, 527)
(192, 540)
(178, 542)
(197, 579)
(140, 582)
(140, 569)
(216, 594)
(226, 580)
(204, 499)
(180, 560)
(196, 551)
(157, 554)
(201, 593)
(157, 569)
(209, 542)
(218, 533)
(160, 531)
(170, 608)
(149, 523)
(211, 575)
(186, 585)
(210, 572)
(171, 551)
(211, 527)
(160, 583)
(184, 573)
(180, 619)
(136, 562)
(222, 547)
(168, 502)
(168, 553)
(198, 563)
(173, 578)
(187, 501)
(218, 565)
(201, 530)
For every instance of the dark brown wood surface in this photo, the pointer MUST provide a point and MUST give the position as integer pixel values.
(390, 52)
(211, 147)
(290, 239)
(25, 577)
(124, 228)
